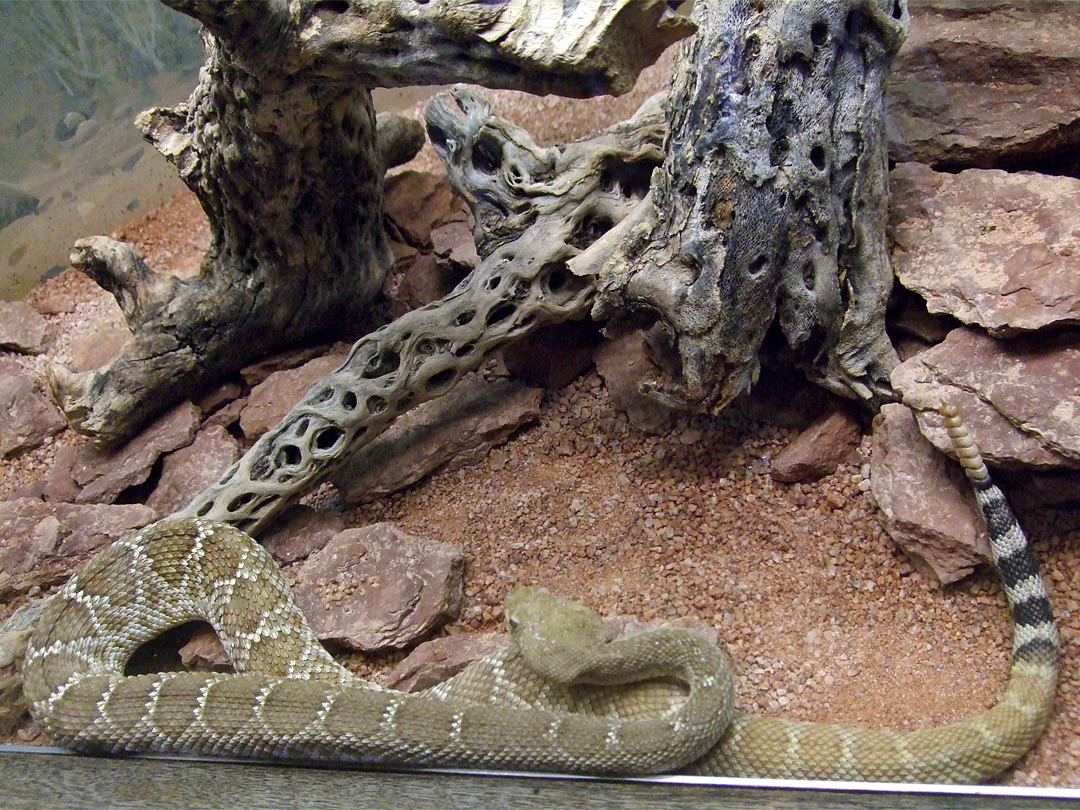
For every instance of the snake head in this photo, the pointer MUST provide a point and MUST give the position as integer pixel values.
(551, 632)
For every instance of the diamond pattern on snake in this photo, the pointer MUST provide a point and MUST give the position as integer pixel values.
(562, 696)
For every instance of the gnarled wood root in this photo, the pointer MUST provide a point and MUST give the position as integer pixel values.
(769, 211)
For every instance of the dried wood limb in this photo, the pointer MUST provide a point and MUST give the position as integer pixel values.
(570, 195)
(279, 143)
(571, 48)
(769, 212)
(292, 184)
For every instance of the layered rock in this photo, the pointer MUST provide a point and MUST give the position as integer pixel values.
(986, 84)
(1020, 397)
(927, 503)
(990, 248)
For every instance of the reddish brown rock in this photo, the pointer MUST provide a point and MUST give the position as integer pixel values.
(377, 587)
(457, 428)
(925, 498)
(218, 397)
(102, 475)
(30, 416)
(983, 84)
(22, 328)
(299, 532)
(453, 243)
(98, 347)
(10, 366)
(991, 248)
(275, 396)
(417, 202)
(1021, 397)
(818, 450)
(188, 471)
(282, 361)
(553, 356)
(434, 661)
(419, 282)
(624, 363)
(42, 543)
(59, 484)
(204, 652)
(227, 415)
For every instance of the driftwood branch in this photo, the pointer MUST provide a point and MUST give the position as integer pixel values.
(574, 193)
(279, 143)
(768, 215)
(577, 49)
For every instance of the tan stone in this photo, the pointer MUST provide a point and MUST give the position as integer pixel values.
(1021, 397)
(377, 587)
(991, 248)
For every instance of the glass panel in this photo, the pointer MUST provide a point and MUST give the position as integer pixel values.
(73, 76)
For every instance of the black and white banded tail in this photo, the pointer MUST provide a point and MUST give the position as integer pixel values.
(1035, 637)
(972, 750)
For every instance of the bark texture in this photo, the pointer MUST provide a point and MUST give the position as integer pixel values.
(768, 216)
(536, 209)
(279, 143)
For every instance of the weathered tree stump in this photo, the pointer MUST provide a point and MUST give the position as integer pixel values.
(279, 143)
(768, 215)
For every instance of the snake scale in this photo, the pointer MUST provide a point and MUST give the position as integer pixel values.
(561, 696)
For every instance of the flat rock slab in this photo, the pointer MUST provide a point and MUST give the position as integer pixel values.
(30, 415)
(290, 358)
(42, 543)
(991, 248)
(102, 475)
(976, 84)
(188, 471)
(22, 328)
(927, 503)
(376, 588)
(275, 396)
(818, 450)
(459, 427)
(1020, 397)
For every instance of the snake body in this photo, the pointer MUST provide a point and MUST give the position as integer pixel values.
(562, 696)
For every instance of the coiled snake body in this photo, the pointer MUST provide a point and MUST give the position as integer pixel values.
(562, 696)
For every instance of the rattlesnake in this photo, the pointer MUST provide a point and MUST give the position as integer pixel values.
(561, 696)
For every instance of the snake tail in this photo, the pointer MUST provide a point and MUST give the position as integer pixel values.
(973, 750)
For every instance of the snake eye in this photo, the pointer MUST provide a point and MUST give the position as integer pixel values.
(511, 622)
